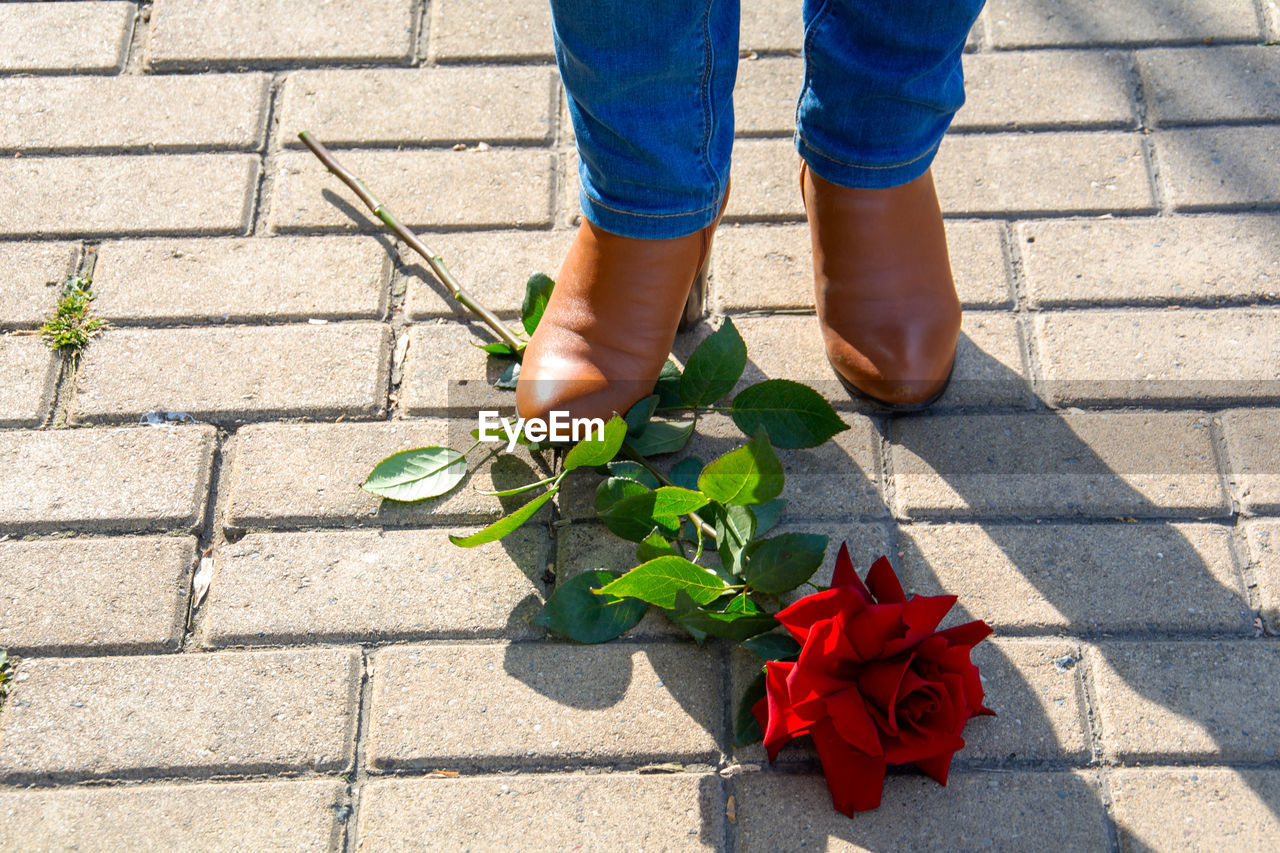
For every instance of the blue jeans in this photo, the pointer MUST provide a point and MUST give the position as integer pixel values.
(650, 91)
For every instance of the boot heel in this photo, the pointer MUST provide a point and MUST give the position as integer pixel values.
(695, 305)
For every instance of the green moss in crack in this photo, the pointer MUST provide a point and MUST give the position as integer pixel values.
(70, 327)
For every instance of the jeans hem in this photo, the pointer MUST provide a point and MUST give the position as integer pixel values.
(646, 226)
(865, 177)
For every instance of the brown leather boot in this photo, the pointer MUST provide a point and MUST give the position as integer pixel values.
(610, 323)
(886, 301)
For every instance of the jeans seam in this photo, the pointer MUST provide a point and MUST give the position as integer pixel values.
(598, 203)
(828, 157)
(806, 50)
(704, 91)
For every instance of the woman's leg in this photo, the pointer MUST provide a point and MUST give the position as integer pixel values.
(650, 89)
(882, 83)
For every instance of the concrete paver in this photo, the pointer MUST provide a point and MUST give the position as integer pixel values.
(1045, 89)
(1220, 168)
(212, 33)
(1016, 23)
(32, 274)
(47, 37)
(200, 714)
(503, 188)
(771, 25)
(1072, 578)
(266, 816)
(1254, 457)
(546, 811)
(209, 111)
(130, 479)
(31, 370)
(373, 586)
(236, 372)
(108, 196)
(1165, 700)
(1086, 464)
(386, 106)
(1264, 556)
(1194, 808)
(1194, 357)
(236, 280)
(764, 96)
(490, 29)
(1205, 259)
(542, 704)
(116, 594)
(1202, 85)
(446, 371)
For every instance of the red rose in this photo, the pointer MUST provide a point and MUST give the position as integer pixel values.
(874, 684)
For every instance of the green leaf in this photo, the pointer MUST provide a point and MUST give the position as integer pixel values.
(658, 581)
(685, 472)
(576, 612)
(668, 387)
(661, 437)
(795, 415)
(633, 517)
(507, 381)
(772, 646)
(597, 451)
(749, 475)
(673, 501)
(503, 526)
(735, 528)
(412, 475)
(638, 415)
(537, 292)
(499, 349)
(714, 368)
(783, 562)
(746, 728)
(614, 489)
(629, 470)
(731, 624)
(655, 546)
(767, 515)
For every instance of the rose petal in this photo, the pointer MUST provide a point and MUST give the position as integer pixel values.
(936, 768)
(800, 618)
(848, 713)
(880, 681)
(782, 724)
(883, 583)
(870, 631)
(969, 634)
(845, 574)
(856, 781)
(920, 746)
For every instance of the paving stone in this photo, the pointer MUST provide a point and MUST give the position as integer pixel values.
(617, 811)
(1201, 85)
(96, 196)
(764, 96)
(492, 266)
(31, 371)
(1151, 261)
(203, 33)
(468, 385)
(1071, 464)
(264, 489)
(766, 182)
(1194, 808)
(238, 372)
(266, 816)
(1166, 700)
(1254, 457)
(129, 479)
(1018, 23)
(1057, 173)
(1029, 90)
(119, 594)
(218, 111)
(385, 106)
(32, 273)
(1220, 167)
(48, 37)
(490, 29)
(373, 586)
(989, 368)
(1100, 357)
(500, 189)
(771, 25)
(778, 811)
(237, 280)
(189, 714)
(528, 704)
(1071, 578)
(771, 267)
(1264, 555)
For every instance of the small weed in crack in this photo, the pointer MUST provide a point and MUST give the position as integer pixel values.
(70, 327)
(6, 673)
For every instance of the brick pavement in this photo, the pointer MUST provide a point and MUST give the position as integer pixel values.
(1101, 483)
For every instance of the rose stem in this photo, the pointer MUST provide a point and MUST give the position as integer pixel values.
(433, 260)
(635, 456)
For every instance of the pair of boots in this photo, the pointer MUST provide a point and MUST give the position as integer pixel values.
(885, 297)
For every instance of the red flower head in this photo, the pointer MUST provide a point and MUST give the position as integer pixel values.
(875, 683)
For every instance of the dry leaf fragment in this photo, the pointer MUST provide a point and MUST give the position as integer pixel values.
(731, 810)
(204, 575)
